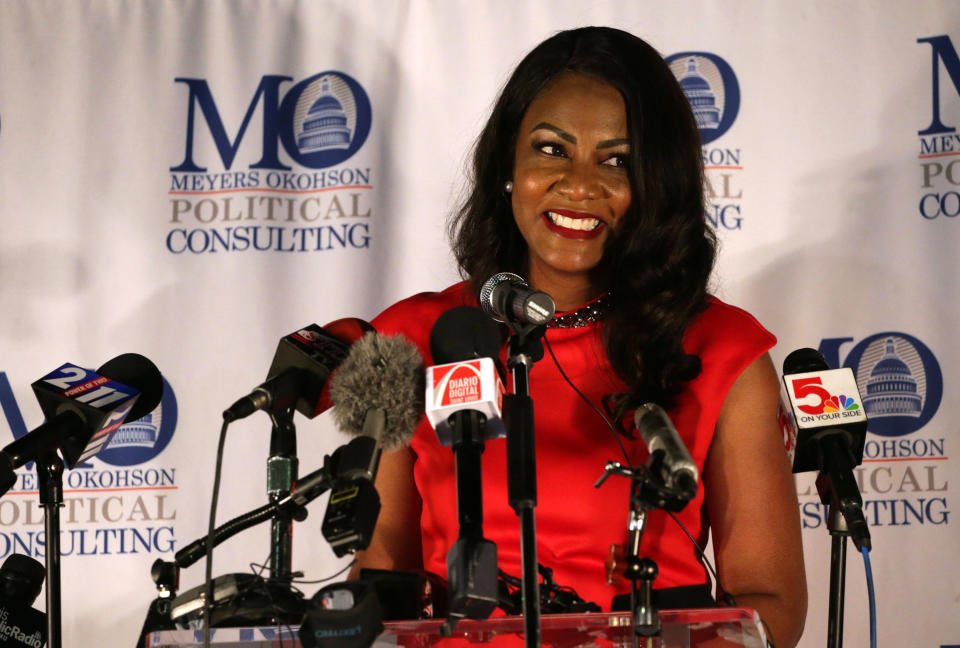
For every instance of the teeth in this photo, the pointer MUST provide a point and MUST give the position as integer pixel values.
(582, 224)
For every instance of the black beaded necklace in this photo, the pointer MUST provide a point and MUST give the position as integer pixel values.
(585, 315)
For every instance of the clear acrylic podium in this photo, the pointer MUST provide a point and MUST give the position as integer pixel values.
(707, 628)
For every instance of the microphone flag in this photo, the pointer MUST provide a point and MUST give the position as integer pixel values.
(468, 385)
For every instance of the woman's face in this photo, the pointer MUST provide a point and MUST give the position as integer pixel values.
(570, 184)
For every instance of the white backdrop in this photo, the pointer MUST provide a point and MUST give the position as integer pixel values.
(832, 192)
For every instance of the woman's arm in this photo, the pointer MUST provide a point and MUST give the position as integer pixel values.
(396, 539)
(753, 507)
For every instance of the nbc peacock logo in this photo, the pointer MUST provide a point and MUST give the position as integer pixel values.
(841, 403)
(826, 396)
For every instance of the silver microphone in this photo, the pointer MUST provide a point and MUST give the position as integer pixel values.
(678, 469)
(507, 298)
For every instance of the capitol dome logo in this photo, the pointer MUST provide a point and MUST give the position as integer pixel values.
(140, 441)
(330, 116)
(711, 88)
(900, 382)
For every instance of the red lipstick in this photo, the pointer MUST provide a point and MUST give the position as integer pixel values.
(569, 232)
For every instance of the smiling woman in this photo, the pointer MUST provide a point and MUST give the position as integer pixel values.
(588, 180)
(570, 186)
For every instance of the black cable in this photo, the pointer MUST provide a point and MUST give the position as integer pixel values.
(603, 416)
(769, 634)
(257, 569)
(277, 609)
(727, 596)
(254, 566)
(208, 570)
(328, 578)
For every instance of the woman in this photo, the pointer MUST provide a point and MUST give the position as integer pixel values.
(588, 181)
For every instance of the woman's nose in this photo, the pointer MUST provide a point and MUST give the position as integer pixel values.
(580, 181)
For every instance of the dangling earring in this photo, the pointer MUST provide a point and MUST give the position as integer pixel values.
(508, 186)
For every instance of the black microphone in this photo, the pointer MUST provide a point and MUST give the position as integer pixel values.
(825, 427)
(676, 467)
(507, 298)
(822, 399)
(467, 338)
(21, 578)
(377, 395)
(464, 395)
(463, 333)
(83, 409)
(300, 369)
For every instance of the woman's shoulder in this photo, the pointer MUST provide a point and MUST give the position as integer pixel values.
(423, 306)
(415, 315)
(725, 328)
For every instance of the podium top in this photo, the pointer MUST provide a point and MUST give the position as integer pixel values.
(721, 627)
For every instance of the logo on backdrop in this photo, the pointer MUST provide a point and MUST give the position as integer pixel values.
(939, 142)
(902, 382)
(284, 183)
(905, 455)
(119, 502)
(712, 89)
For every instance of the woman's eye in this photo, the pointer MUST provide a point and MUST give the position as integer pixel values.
(551, 148)
(620, 160)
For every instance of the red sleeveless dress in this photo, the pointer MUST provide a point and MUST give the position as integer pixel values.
(576, 524)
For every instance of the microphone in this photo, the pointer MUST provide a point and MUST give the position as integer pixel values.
(83, 409)
(821, 400)
(377, 399)
(676, 468)
(463, 333)
(464, 343)
(21, 578)
(380, 372)
(507, 298)
(300, 368)
(463, 403)
(825, 427)
(377, 396)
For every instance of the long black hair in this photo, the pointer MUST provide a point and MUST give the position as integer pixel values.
(658, 261)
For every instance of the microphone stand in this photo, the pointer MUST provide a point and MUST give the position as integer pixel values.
(641, 572)
(647, 492)
(839, 491)
(472, 560)
(282, 468)
(291, 507)
(839, 533)
(523, 349)
(309, 488)
(50, 467)
(50, 478)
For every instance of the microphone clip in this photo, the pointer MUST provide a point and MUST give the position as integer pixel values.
(525, 346)
(648, 488)
(648, 491)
